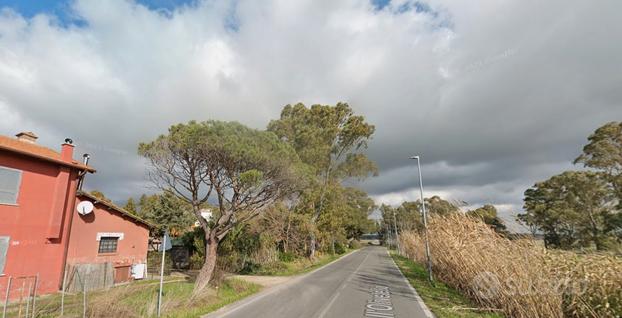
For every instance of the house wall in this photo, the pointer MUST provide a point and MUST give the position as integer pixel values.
(84, 246)
(38, 225)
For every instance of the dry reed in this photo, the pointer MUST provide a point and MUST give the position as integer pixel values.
(519, 277)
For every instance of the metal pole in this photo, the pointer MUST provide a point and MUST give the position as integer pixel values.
(397, 239)
(34, 297)
(83, 299)
(28, 300)
(6, 297)
(62, 295)
(425, 222)
(163, 244)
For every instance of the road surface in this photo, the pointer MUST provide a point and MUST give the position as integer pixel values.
(365, 283)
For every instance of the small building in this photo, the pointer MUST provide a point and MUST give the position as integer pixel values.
(41, 232)
(37, 202)
(108, 240)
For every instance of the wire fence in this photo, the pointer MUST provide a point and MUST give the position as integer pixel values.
(23, 289)
(84, 292)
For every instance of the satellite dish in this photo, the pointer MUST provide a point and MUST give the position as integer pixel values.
(85, 207)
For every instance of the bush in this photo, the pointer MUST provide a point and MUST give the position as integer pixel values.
(355, 244)
(286, 257)
(154, 262)
(196, 261)
(249, 267)
(339, 248)
(521, 278)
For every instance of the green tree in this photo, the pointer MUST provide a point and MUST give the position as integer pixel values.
(572, 209)
(437, 206)
(329, 139)
(488, 214)
(166, 211)
(130, 206)
(245, 169)
(604, 153)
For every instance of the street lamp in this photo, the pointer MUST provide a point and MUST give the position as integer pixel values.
(425, 220)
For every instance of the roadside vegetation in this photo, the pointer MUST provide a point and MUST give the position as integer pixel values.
(140, 300)
(443, 301)
(276, 198)
(575, 271)
(518, 277)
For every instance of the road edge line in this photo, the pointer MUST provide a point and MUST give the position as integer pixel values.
(231, 308)
(418, 298)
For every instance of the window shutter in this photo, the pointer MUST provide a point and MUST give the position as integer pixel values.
(10, 180)
(4, 248)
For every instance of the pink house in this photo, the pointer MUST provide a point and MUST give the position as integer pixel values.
(109, 234)
(42, 233)
(37, 198)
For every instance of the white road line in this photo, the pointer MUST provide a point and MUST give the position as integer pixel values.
(225, 311)
(343, 285)
(424, 307)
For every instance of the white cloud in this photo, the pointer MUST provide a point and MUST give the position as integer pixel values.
(495, 96)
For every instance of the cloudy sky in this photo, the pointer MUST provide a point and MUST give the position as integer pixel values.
(494, 95)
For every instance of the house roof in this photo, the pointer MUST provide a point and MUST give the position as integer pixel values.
(114, 207)
(38, 152)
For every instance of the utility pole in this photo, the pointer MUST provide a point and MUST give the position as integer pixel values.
(425, 221)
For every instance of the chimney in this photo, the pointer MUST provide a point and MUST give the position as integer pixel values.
(27, 136)
(66, 150)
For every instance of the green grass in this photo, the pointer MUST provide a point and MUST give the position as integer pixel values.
(140, 300)
(442, 300)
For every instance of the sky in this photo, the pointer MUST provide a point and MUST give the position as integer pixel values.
(493, 95)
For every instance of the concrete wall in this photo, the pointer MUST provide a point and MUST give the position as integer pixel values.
(38, 224)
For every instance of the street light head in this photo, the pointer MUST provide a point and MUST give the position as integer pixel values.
(415, 157)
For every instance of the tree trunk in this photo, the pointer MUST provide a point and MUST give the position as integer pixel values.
(207, 270)
(312, 244)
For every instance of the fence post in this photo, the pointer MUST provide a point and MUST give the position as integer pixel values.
(83, 298)
(28, 299)
(6, 296)
(34, 298)
(62, 295)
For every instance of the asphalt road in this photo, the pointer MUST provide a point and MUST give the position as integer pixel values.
(365, 283)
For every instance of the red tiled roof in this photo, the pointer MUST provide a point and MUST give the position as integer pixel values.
(39, 152)
(114, 207)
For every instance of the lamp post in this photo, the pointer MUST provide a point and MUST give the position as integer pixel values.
(425, 221)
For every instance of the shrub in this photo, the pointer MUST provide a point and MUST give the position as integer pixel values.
(286, 257)
(355, 244)
(154, 262)
(339, 248)
(196, 261)
(521, 278)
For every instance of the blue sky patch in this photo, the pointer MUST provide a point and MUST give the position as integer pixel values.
(61, 9)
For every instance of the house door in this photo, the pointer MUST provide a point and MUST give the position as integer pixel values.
(121, 274)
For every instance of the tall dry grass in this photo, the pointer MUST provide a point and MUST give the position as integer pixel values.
(519, 277)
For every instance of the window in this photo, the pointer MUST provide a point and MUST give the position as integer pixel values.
(108, 244)
(9, 185)
(4, 247)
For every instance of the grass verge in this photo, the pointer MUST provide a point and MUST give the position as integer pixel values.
(442, 300)
(140, 300)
